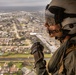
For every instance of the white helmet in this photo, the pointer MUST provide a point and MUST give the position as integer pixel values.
(68, 5)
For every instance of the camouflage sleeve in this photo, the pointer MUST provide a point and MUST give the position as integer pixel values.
(41, 68)
(70, 63)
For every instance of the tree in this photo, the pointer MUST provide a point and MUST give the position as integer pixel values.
(10, 64)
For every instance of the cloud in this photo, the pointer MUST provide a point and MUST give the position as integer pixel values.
(24, 2)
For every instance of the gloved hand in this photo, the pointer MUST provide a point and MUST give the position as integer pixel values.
(37, 51)
(36, 47)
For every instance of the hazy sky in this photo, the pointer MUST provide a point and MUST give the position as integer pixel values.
(24, 2)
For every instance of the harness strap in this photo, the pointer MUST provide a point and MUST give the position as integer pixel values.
(61, 63)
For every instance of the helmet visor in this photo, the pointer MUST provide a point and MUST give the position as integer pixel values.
(49, 18)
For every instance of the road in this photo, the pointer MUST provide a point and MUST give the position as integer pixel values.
(18, 59)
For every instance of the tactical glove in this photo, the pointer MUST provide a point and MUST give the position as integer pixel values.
(37, 51)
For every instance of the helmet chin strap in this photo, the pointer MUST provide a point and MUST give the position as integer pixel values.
(65, 33)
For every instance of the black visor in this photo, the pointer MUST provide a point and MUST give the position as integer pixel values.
(49, 17)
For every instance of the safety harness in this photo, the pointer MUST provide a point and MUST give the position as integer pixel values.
(59, 55)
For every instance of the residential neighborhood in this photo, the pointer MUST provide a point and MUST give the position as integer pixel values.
(17, 34)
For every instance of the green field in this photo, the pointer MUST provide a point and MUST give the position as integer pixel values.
(26, 55)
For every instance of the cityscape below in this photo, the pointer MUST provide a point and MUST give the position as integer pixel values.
(20, 27)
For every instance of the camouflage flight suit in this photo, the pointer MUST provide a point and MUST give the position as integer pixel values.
(66, 65)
